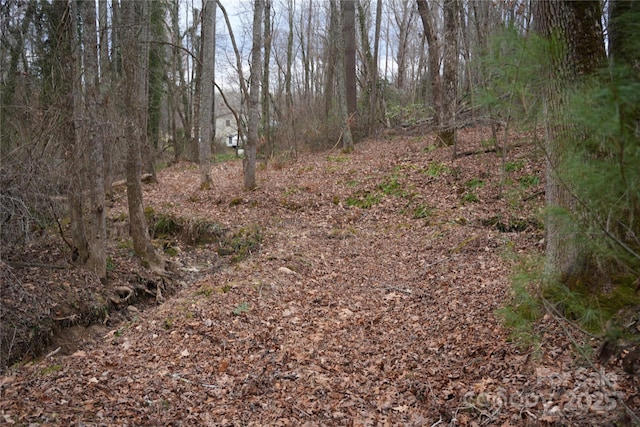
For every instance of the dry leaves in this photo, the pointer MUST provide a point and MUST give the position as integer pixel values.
(352, 316)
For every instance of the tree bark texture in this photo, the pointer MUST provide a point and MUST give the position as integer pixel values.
(134, 112)
(373, 71)
(266, 101)
(287, 79)
(97, 230)
(575, 25)
(347, 140)
(447, 134)
(78, 170)
(206, 107)
(250, 151)
(106, 70)
(403, 18)
(349, 32)
(433, 44)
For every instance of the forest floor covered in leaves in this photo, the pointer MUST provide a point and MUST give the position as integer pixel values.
(348, 289)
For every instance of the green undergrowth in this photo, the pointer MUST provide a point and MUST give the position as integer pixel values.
(241, 243)
(237, 244)
(601, 314)
(191, 231)
(391, 185)
(225, 157)
(512, 224)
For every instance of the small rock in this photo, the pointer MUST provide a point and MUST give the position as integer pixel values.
(286, 270)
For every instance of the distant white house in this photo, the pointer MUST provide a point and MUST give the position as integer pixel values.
(226, 130)
(226, 126)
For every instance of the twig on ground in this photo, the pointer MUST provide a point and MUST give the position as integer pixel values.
(393, 288)
(52, 353)
(563, 322)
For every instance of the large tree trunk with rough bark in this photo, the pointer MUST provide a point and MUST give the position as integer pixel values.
(206, 108)
(78, 170)
(134, 113)
(336, 35)
(254, 98)
(447, 134)
(349, 32)
(579, 49)
(433, 45)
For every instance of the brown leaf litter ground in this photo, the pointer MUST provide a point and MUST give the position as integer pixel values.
(371, 300)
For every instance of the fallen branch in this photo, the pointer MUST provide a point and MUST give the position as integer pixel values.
(563, 322)
(393, 288)
(533, 196)
(17, 264)
(487, 150)
(52, 353)
(146, 178)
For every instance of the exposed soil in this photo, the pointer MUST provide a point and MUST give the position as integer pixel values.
(355, 289)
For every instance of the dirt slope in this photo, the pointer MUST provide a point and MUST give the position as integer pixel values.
(348, 314)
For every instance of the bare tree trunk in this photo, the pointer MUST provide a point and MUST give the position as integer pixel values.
(450, 73)
(347, 140)
(434, 59)
(78, 170)
(133, 79)
(155, 33)
(106, 70)
(249, 161)
(196, 77)
(206, 108)
(97, 236)
(287, 80)
(403, 19)
(349, 33)
(331, 64)
(266, 113)
(578, 26)
(178, 99)
(373, 102)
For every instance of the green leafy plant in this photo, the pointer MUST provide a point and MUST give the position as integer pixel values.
(51, 369)
(474, 183)
(391, 187)
(224, 157)
(240, 309)
(525, 306)
(167, 323)
(422, 212)
(528, 181)
(429, 148)
(338, 159)
(205, 290)
(514, 166)
(436, 169)
(470, 198)
(363, 199)
(241, 243)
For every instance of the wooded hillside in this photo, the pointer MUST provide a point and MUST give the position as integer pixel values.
(302, 213)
